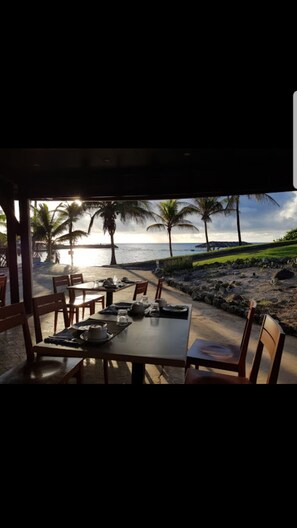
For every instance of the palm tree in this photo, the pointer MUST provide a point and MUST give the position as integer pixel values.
(69, 213)
(235, 199)
(2, 219)
(170, 217)
(206, 207)
(109, 211)
(47, 227)
(3, 236)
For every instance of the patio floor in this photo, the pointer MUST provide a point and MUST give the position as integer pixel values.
(207, 322)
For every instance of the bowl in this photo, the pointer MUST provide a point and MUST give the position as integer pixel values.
(97, 332)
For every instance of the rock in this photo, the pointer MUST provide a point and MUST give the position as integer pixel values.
(283, 274)
(275, 298)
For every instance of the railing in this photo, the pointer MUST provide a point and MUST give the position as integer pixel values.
(3, 258)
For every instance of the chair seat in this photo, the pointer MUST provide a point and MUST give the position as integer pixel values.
(201, 377)
(81, 300)
(212, 354)
(271, 340)
(43, 370)
(222, 356)
(90, 297)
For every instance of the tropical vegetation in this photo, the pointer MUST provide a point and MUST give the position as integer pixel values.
(170, 216)
(69, 214)
(206, 207)
(47, 226)
(109, 211)
(234, 201)
(290, 235)
(3, 236)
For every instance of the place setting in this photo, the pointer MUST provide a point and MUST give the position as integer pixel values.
(113, 309)
(160, 308)
(96, 334)
(89, 331)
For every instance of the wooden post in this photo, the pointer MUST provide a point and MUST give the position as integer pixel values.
(26, 249)
(7, 203)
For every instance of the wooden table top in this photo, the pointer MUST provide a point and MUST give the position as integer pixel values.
(159, 341)
(98, 286)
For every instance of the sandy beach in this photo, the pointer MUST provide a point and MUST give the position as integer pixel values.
(208, 322)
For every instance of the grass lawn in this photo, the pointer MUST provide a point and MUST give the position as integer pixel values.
(237, 253)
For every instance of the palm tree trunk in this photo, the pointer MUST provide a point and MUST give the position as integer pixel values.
(238, 221)
(71, 254)
(49, 251)
(113, 257)
(206, 236)
(71, 244)
(170, 244)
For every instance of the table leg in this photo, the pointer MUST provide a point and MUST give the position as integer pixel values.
(138, 373)
(109, 298)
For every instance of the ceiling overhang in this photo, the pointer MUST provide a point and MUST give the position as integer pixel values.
(143, 173)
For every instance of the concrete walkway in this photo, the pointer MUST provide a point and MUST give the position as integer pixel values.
(207, 322)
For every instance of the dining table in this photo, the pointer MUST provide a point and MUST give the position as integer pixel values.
(145, 339)
(98, 286)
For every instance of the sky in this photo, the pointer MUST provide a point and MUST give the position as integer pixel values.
(259, 221)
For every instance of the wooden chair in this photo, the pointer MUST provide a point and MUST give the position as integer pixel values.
(271, 339)
(140, 287)
(40, 369)
(45, 304)
(3, 282)
(77, 278)
(231, 357)
(159, 288)
(73, 302)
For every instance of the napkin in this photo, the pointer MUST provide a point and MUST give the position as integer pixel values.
(127, 281)
(61, 341)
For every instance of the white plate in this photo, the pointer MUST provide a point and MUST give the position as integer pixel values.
(174, 308)
(85, 337)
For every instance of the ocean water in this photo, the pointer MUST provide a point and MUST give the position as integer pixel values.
(125, 253)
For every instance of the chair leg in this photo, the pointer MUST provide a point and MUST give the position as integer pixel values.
(79, 374)
(105, 370)
(71, 315)
(55, 322)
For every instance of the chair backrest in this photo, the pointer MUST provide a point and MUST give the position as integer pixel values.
(60, 283)
(45, 304)
(140, 287)
(159, 288)
(272, 339)
(246, 334)
(12, 316)
(76, 278)
(3, 281)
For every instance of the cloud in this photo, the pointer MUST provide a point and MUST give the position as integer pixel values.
(290, 210)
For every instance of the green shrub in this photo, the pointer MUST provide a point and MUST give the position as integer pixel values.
(178, 263)
(290, 235)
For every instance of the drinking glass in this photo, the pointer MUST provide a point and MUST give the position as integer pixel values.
(155, 310)
(144, 299)
(122, 317)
